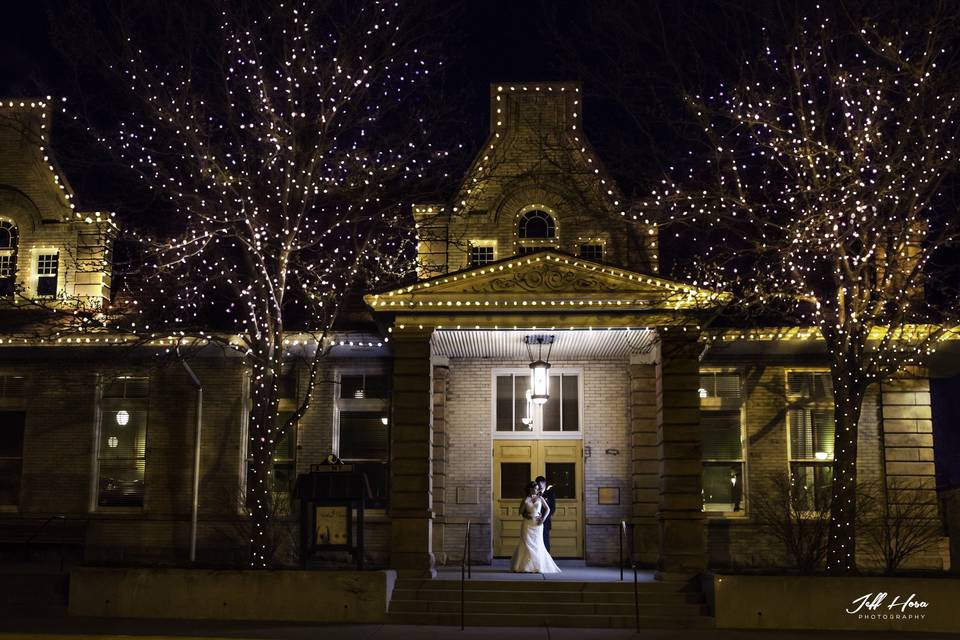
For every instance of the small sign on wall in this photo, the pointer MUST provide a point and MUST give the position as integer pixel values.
(608, 495)
(468, 495)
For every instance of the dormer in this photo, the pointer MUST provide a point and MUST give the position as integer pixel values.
(535, 185)
(49, 250)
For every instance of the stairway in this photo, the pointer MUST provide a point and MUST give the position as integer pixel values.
(506, 603)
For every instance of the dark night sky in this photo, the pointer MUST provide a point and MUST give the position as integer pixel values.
(485, 41)
(634, 61)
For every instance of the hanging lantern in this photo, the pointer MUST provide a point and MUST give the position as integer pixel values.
(123, 418)
(539, 368)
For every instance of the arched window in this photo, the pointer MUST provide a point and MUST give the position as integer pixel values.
(9, 238)
(537, 224)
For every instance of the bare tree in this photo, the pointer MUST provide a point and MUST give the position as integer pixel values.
(897, 523)
(795, 519)
(827, 201)
(281, 147)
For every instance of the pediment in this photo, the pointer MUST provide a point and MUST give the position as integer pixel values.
(545, 279)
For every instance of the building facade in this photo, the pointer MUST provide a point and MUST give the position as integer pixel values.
(654, 424)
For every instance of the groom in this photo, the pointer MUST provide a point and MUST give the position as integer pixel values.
(547, 493)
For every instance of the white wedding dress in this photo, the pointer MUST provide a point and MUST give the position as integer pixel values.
(531, 556)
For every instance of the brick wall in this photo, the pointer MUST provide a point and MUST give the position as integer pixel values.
(470, 465)
(59, 462)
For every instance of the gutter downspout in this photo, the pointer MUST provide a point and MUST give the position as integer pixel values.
(196, 461)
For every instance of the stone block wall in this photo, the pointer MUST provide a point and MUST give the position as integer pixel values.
(736, 542)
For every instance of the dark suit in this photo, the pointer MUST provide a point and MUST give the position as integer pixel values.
(551, 499)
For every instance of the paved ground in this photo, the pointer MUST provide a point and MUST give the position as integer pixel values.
(184, 630)
(571, 571)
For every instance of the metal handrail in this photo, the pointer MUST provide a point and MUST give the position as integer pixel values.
(42, 526)
(633, 564)
(465, 572)
(39, 530)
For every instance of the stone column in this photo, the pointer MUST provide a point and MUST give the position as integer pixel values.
(440, 370)
(644, 458)
(907, 431)
(683, 549)
(411, 451)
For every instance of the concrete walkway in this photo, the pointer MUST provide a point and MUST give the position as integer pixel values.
(109, 629)
(571, 571)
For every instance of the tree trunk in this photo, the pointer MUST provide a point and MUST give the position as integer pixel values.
(841, 535)
(262, 444)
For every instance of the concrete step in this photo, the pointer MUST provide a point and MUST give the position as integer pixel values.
(533, 594)
(546, 585)
(548, 608)
(550, 620)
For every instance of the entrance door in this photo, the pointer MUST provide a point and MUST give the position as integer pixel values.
(517, 462)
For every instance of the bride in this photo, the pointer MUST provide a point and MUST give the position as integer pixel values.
(531, 556)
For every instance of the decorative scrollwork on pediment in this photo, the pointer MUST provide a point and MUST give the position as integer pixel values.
(548, 278)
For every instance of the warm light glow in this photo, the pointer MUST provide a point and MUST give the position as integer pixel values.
(123, 418)
(821, 455)
(540, 380)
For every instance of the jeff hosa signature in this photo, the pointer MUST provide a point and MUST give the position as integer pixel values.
(874, 602)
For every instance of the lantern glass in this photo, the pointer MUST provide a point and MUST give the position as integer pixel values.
(540, 381)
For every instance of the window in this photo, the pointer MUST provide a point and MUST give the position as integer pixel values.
(9, 238)
(121, 450)
(12, 425)
(721, 441)
(360, 387)
(482, 252)
(285, 454)
(363, 430)
(514, 414)
(811, 429)
(537, 224)
(592, 252)
(47, 268)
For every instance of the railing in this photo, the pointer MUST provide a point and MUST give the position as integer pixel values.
(624, 529)
(39, 530)
(465, 572)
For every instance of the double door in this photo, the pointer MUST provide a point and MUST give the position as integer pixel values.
(517, 462)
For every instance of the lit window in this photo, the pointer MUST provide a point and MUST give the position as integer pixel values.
(121, 451)
(9, 238)
(481, 254)
(811, 428)
(47, 269)
(721, 441)
(592, 252)
(515, 413)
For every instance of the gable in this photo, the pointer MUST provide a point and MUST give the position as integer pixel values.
(545, 279)
(536, 158)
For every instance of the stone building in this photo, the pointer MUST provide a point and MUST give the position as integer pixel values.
(653, 421)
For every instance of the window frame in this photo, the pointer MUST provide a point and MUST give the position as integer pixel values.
(143, 404)
(535, 244)
(537, 433)
(723, 404)
(792, 402)
(480, 244)
(285, 404)
(44, 252)
(598, 242)
(11, 253)
(364, 405)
